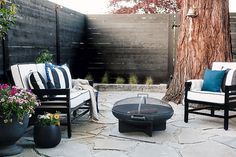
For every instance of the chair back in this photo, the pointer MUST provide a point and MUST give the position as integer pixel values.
(20, 73)
(223, 65)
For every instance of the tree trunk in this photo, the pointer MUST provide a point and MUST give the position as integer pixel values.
(202, 40)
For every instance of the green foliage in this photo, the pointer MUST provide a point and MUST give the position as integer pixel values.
(7, 17)
(133, 79)
(120, 80)
(45, 56)
(149, 80)
(105, 78)
(89, 77)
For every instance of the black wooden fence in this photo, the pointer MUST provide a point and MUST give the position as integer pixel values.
(117, 44)
(130, 44)
(43, 25)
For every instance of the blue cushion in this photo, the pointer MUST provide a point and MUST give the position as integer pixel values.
(49, 66)
(213, 80)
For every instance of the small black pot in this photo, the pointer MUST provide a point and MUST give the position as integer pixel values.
(47, 136)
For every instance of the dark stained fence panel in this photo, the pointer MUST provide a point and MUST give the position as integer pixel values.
(127, 44)
(71, 34)
(35, 29)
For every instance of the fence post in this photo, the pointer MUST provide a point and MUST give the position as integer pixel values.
(58, 51)
(5, 57)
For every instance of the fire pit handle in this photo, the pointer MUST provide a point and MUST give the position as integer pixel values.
(142, 95)
(138, 117)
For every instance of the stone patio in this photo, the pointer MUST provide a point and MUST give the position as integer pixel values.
(202, 136)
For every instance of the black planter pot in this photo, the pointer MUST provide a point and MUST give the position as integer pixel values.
(10, 133)
(47, 136)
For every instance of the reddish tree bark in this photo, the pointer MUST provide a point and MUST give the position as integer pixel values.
(202, 40)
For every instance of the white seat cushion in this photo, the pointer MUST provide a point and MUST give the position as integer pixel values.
(206, 96)
(78, 97)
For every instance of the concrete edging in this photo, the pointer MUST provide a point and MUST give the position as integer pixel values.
(131, 87)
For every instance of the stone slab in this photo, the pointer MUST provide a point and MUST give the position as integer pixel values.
(154, 150)
(113, 144)
(67, 149)
(107, 153)
(189, 135)
(226, 140)
(207, 149)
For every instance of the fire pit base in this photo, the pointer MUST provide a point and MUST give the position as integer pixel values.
(142, 126)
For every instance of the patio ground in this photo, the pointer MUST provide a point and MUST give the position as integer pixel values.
(202, 136)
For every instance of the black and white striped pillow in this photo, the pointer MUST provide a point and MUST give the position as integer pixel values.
(59, 76)
(231, 77)
(36, 81)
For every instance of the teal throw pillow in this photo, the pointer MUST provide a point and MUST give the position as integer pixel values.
(213, 80)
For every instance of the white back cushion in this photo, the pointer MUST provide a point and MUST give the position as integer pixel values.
(231, 74)
(20, 73)
(223, 65)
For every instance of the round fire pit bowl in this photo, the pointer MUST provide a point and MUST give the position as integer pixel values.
(142, 113)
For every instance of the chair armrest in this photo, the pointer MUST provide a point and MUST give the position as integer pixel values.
(52, 94)
(187, 86)
(230, 95)
(196, 84)
(230, 89)
(91, 82)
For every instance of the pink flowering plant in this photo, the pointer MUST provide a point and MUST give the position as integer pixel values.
(16, 102)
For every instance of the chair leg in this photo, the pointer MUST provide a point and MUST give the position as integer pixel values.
(186, 105)
(226, 117)
(212, 111)
(97, 102)
(68, 124)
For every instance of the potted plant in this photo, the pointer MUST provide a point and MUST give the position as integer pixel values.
(16, 106)
(45, 56)
(47, 132)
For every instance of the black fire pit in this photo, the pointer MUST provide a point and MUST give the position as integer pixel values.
(142, 113)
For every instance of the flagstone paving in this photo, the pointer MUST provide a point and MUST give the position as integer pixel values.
(202, 136)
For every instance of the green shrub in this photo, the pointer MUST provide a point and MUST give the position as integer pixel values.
(44, 57)
(149, 80)
(120, 80)
(133, 79)
(7, 17)
(89, 77)
(105, 78)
